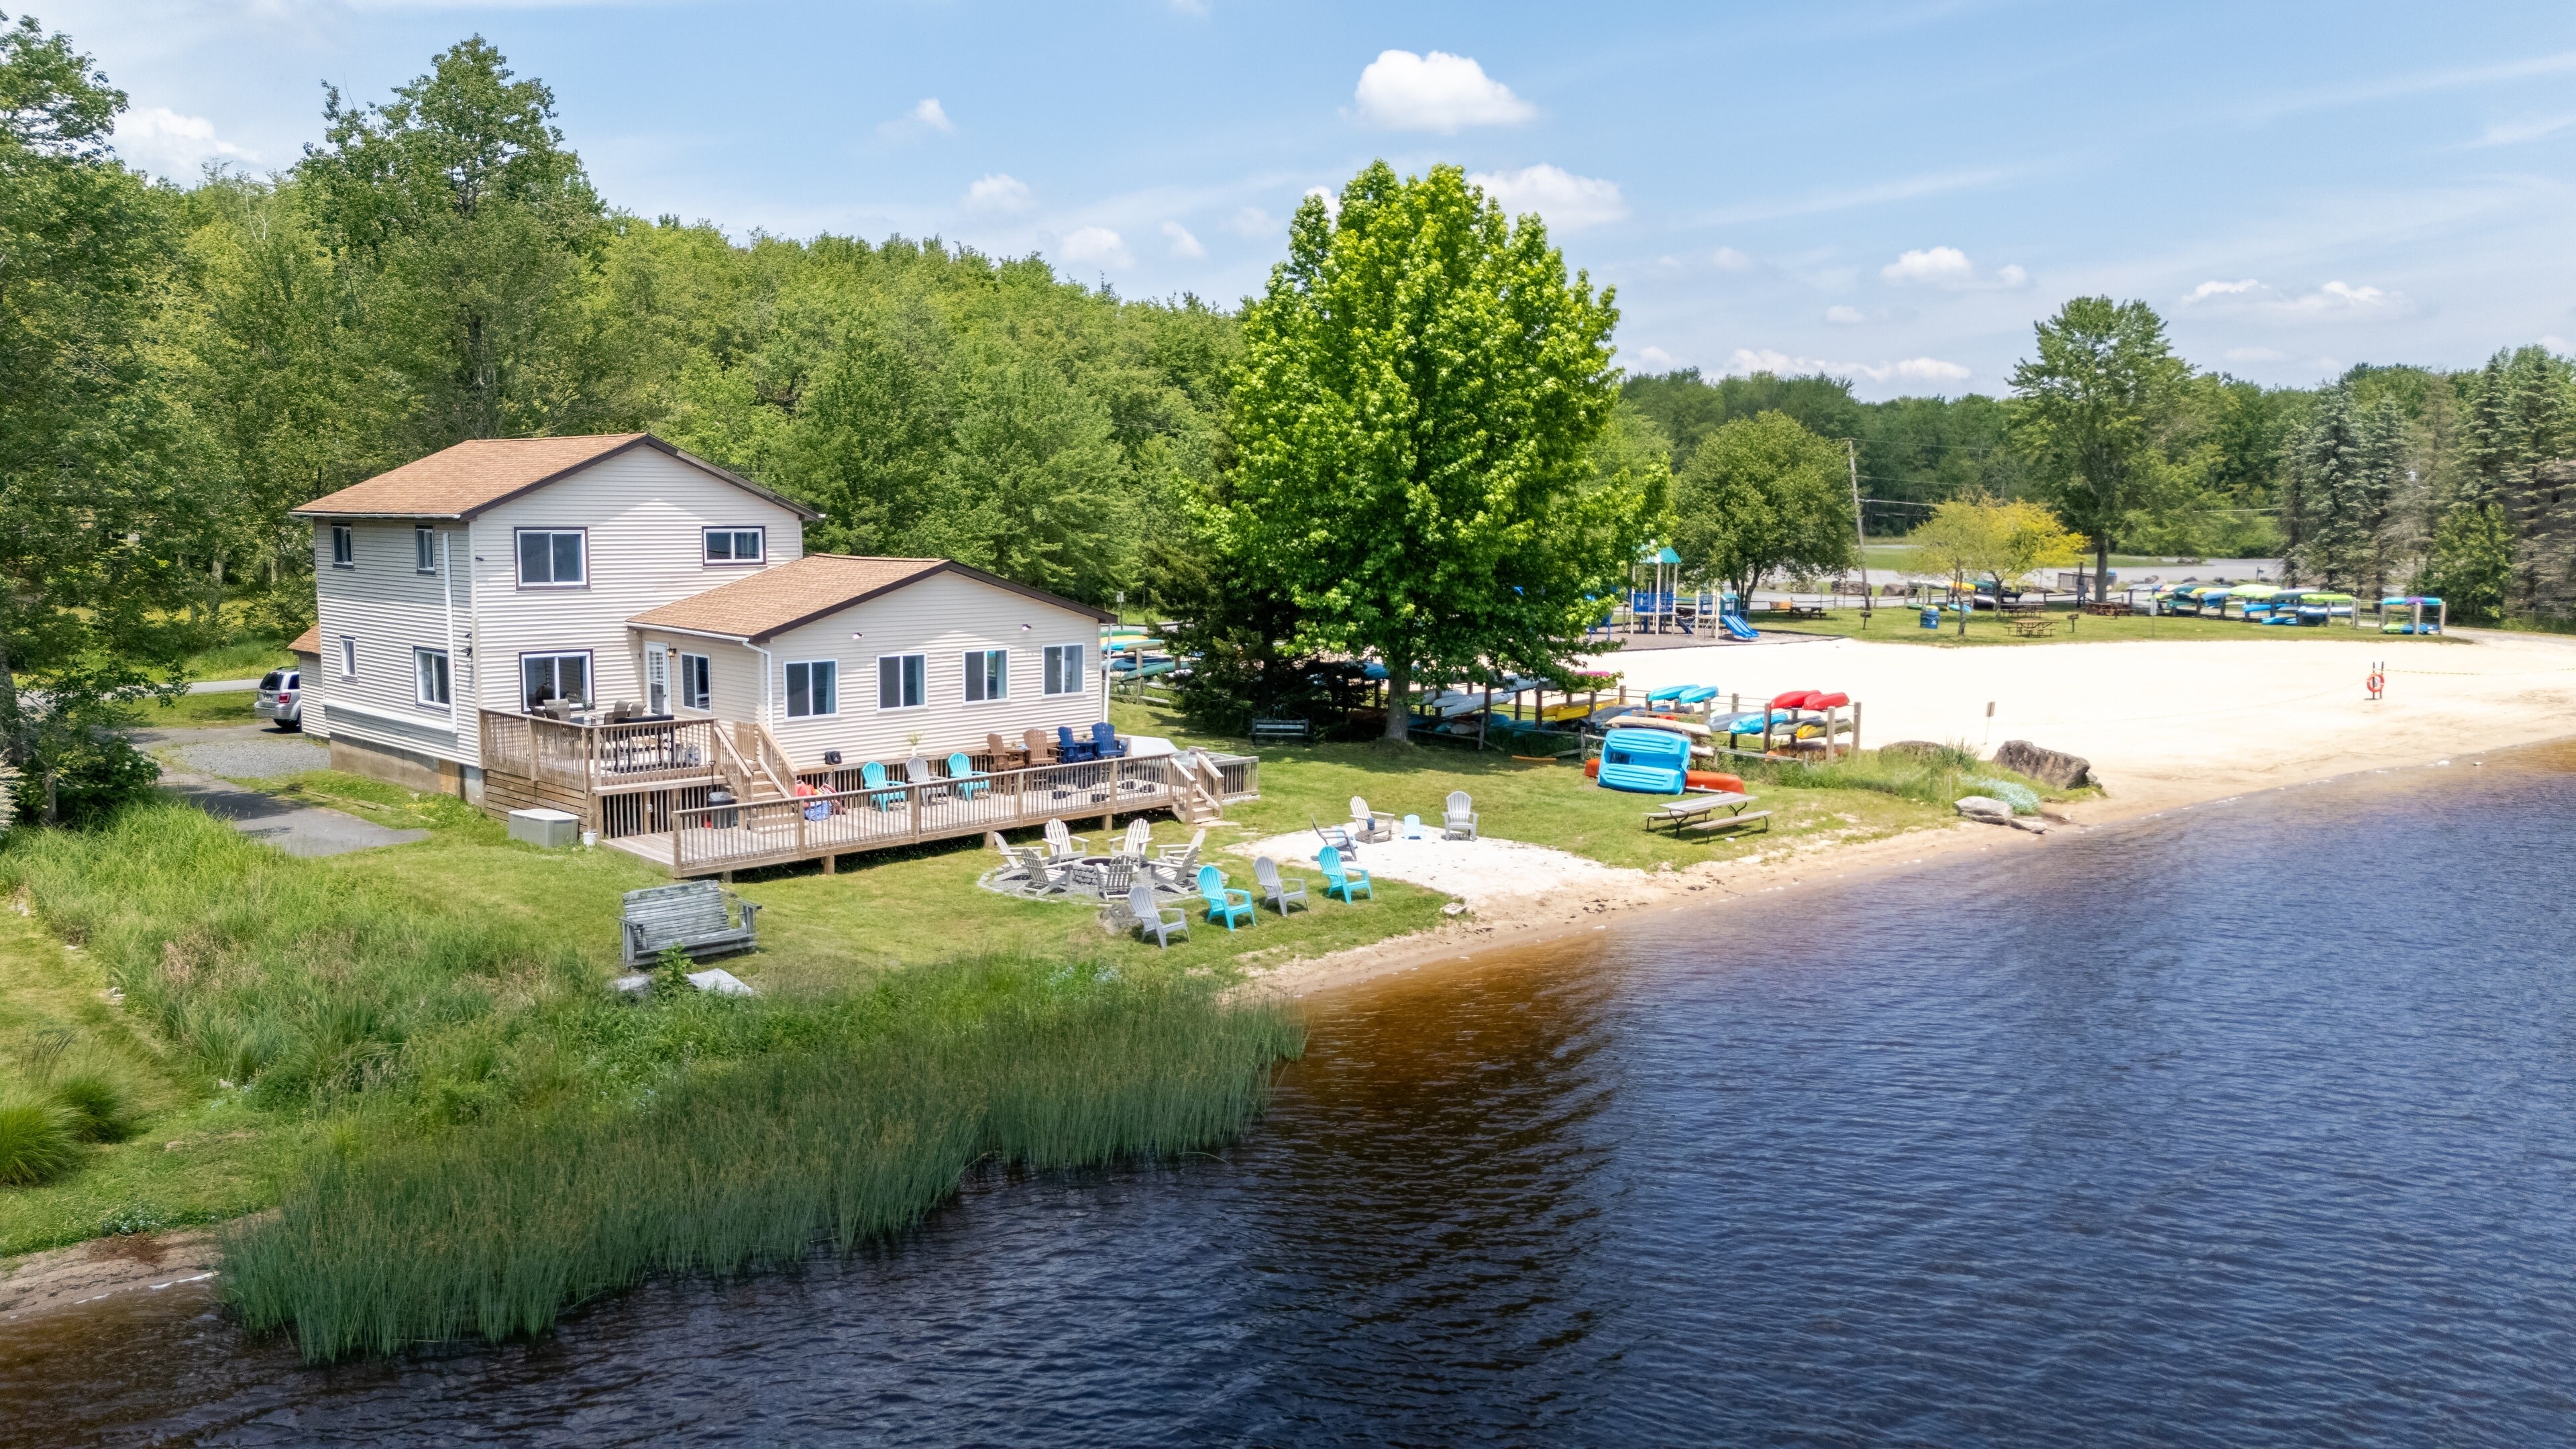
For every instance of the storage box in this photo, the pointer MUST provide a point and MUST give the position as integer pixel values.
(545, 829)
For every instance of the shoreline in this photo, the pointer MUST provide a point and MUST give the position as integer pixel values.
(1712, 886)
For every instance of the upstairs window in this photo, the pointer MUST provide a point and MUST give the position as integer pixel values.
(813, 687)
(552, 559)
(899, 680)
(734, 545)
(694, 678)
(344, 546)
(1064, 669)
(424, 548)
(988, 675)
(348, 657)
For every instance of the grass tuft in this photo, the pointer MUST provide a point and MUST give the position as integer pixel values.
(38, 1140)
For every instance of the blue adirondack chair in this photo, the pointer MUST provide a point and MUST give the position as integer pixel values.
(1341, 880)
(1105, 743)
(1069, 750)
(872, 775)
(1224, 903)
(970, 782)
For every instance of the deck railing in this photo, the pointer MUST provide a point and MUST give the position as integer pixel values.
(595, 757)
(706, 838)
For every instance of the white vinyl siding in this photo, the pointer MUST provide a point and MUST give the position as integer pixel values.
(944, 618)
(988, 675)
(813, 688)
(388, 609)
(646, 515)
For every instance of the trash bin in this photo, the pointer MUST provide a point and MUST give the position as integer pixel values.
(1931, 616)
(723, 818)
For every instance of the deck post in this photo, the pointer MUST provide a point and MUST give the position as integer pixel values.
(829, 861)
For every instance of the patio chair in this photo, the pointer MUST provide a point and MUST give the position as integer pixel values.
(1005, 755)
(1047, 876)
(1105, 744)
(1340, 880)
(964, 778)
(1224, 903)
(1036, 746)
(1117, 877)
(1177, 864)
(1336, 837)
(1279, 889)
(1413, 827)
(1458, 822)
(1064, 844)
(872, 776)
(1372, 825)
(1070, 750)
(1140, 838)
(1152, 918)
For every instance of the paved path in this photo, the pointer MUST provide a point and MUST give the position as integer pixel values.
(296, 829)
(224, 686)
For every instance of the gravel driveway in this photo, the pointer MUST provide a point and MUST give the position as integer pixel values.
(257, 758)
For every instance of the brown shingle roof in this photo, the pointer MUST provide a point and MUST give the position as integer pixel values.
(463, 480)
(778, 599)
(308, 642)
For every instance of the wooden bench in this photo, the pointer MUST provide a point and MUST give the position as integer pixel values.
(690, 915)
(1280, 732)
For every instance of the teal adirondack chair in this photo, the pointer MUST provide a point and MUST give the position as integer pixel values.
(1224, 903)
(873, 775)
(970, 781)
(1340, 880)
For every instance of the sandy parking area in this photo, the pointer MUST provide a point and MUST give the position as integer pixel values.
(2168, 722)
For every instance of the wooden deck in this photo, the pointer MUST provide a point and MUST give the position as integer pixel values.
(712, 839)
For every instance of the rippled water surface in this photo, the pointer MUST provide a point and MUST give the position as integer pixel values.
(2254, 1124)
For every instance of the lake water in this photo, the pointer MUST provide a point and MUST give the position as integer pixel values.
(2252, 1124)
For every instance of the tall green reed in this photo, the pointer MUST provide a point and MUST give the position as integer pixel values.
(494, 1230)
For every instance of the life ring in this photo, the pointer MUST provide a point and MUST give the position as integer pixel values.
(2376, 683)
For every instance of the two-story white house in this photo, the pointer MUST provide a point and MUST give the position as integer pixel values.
(611, 626)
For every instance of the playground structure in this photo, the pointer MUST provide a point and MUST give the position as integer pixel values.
(1656, 603)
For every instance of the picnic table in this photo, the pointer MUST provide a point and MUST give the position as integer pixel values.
(2030, 626)
(1699, 813)
(2107, 608)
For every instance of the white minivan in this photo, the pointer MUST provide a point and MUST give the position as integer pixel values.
(281, 698)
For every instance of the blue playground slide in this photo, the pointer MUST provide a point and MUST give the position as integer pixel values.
(1736, 626)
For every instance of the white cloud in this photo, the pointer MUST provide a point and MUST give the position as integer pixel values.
(1911, 369)
(2338, 297)
(1657, 359)
(2207, 290)
(1949, 267)
(1728, 259)
(1569, 202)
(1183, 244)
(1000, 192)
(927, 116)
(1097, 245)
(2553, 342)
(1845, 316)
(1332, 200)
(162, 141)
(1437, 92)
(2530, 128)
(2254, 354)
(1253, 221)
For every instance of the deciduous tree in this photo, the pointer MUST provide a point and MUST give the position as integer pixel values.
(2088, 410)
(1760, 495)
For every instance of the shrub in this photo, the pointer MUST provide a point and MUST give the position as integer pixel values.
(37, 1140)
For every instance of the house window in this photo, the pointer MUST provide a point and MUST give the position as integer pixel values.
(424, 549)
(657, 679)
(734, 545)
(1064, 669)
(544, 677)
(429, 675)
(551, 558)
(813, 688)
(348, 657)
(344, 546)
(693, 682)
(899, 680)
(988, 674)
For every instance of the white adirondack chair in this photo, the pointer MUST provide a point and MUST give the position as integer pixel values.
(1458, 822)
(1064, 843)
(1367, 824)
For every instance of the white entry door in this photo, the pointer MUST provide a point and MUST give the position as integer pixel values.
(657, 680)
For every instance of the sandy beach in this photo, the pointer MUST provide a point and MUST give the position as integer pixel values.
(2165, 726)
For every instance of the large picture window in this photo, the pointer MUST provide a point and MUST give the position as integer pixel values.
(552, 558)
(988, 675)
(901, 680)
(813, 687)
(735, 545)
(429, 676)
(1064, 669)
(694, 678)
(544, 678)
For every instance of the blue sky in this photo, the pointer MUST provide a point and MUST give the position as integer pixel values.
(1893, 192)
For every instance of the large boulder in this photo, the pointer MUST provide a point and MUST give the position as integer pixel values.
(1914, 750)
(2054, 768)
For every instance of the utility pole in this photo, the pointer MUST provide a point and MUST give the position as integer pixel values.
(1851, 451)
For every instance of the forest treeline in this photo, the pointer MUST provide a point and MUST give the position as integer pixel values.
(180, 365)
